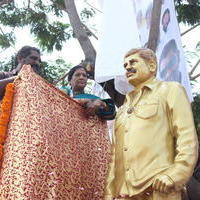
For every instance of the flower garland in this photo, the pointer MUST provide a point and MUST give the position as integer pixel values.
(5, 111)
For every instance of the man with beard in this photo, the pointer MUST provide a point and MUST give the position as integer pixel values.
(26, 55)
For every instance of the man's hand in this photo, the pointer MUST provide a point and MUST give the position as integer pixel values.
(163, 183)
(17, 69)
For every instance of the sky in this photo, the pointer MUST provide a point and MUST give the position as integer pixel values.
(72, 52)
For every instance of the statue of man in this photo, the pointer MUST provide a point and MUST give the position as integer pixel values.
(154, 142)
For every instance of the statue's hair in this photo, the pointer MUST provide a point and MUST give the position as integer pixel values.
(145, 53)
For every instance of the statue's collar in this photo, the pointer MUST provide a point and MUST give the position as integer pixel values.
(150, 84)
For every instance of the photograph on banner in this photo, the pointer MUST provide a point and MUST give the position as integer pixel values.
(165, 19)
(171, 65)
(169, 62)
(143, 11)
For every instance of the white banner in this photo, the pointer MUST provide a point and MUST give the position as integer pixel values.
(126, 25)
(172, 65)
(117, 36)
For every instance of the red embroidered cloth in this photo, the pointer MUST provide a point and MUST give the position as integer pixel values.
(53, 151)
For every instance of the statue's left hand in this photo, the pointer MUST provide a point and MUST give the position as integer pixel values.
(163, 183)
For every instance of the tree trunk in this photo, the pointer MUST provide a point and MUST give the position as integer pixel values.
(80, 33)
(89, 51)
(5, 2)
(155, 25)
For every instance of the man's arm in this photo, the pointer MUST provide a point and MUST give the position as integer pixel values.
(186, 145)
(3, 84)
(5, 75)
(104, 108)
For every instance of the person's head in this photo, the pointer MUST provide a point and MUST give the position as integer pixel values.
(140, 65)
(169, 60)
(29, 55)
(165, 20)
(77, 78)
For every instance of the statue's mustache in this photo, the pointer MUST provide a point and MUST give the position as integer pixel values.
(132, 70)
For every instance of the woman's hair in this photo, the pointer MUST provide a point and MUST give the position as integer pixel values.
(73, 70)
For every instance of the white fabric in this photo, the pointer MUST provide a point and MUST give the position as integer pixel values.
(117, 19)
(172, 35)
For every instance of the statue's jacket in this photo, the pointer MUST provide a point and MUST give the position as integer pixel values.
(154, 134)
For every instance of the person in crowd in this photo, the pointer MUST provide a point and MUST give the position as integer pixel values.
(154, 147)
(26, 55)
(77, 78)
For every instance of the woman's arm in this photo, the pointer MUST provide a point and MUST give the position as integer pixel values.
(105, 109)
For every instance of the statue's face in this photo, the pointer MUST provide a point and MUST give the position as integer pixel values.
(137, 69)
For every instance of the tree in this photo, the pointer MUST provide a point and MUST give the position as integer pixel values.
(38, 15)
(186, 10)
(51, 34)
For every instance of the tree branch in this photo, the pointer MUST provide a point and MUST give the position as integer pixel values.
(1, 30)
(194, 68)
(5, 2)
(89, 31)
(29, 2)
(80, 33)
(62, 7)
(155, 25)
(93, 7)
(62, 78)
(194, 77)
(190, 29)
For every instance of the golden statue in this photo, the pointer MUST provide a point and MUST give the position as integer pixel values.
(154, 147)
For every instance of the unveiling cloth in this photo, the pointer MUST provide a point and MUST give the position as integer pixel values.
(52, 150)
